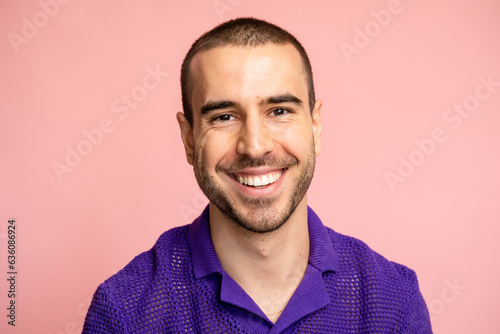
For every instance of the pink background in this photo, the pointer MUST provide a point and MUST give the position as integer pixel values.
(69, 72)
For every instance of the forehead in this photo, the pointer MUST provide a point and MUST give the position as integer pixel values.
(245, 73)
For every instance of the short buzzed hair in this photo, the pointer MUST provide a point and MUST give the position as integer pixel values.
(240, 32)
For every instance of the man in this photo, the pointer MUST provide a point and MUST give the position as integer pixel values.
(258, 259)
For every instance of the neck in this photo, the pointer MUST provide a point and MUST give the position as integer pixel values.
(263, 262)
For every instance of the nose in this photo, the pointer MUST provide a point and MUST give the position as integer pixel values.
(255, 138)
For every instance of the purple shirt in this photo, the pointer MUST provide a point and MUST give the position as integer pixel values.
(179, 286)
(310, 295)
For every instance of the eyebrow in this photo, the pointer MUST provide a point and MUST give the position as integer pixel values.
(214, 105)
(284, 98)
(222, 104)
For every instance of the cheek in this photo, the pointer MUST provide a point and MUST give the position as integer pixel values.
(295, 140)
(214, 147)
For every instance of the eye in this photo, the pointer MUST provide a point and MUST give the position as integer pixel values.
(279, 112)
(222, 118)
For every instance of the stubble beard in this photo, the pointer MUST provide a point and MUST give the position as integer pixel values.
(263, 215)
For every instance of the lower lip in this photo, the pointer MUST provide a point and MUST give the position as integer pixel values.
(260, 192)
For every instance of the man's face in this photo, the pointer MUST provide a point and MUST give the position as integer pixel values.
(253, 140)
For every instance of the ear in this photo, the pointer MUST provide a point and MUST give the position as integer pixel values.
(187, 137)
(316, 125)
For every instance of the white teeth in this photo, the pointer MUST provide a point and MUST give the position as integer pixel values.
(272, 178)
(257, 181)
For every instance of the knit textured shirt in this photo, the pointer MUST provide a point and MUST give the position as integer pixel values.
(179, 286)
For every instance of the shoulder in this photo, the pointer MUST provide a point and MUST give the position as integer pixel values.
(378, 285)
(149, 263)
(358, 260)
(369, 292)
(148, 270)
(121, 300)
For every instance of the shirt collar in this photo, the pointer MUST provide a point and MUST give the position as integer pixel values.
(205, 260)
(322, 255)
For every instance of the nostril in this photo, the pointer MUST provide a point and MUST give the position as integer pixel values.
(255, 145)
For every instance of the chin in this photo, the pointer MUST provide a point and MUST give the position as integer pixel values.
(261, 216)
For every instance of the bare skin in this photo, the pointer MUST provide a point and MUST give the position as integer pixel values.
(268, 265)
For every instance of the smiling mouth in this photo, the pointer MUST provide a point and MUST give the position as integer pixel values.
(258, 181)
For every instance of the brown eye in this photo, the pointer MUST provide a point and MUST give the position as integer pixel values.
(222, 118)
(279, 112)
